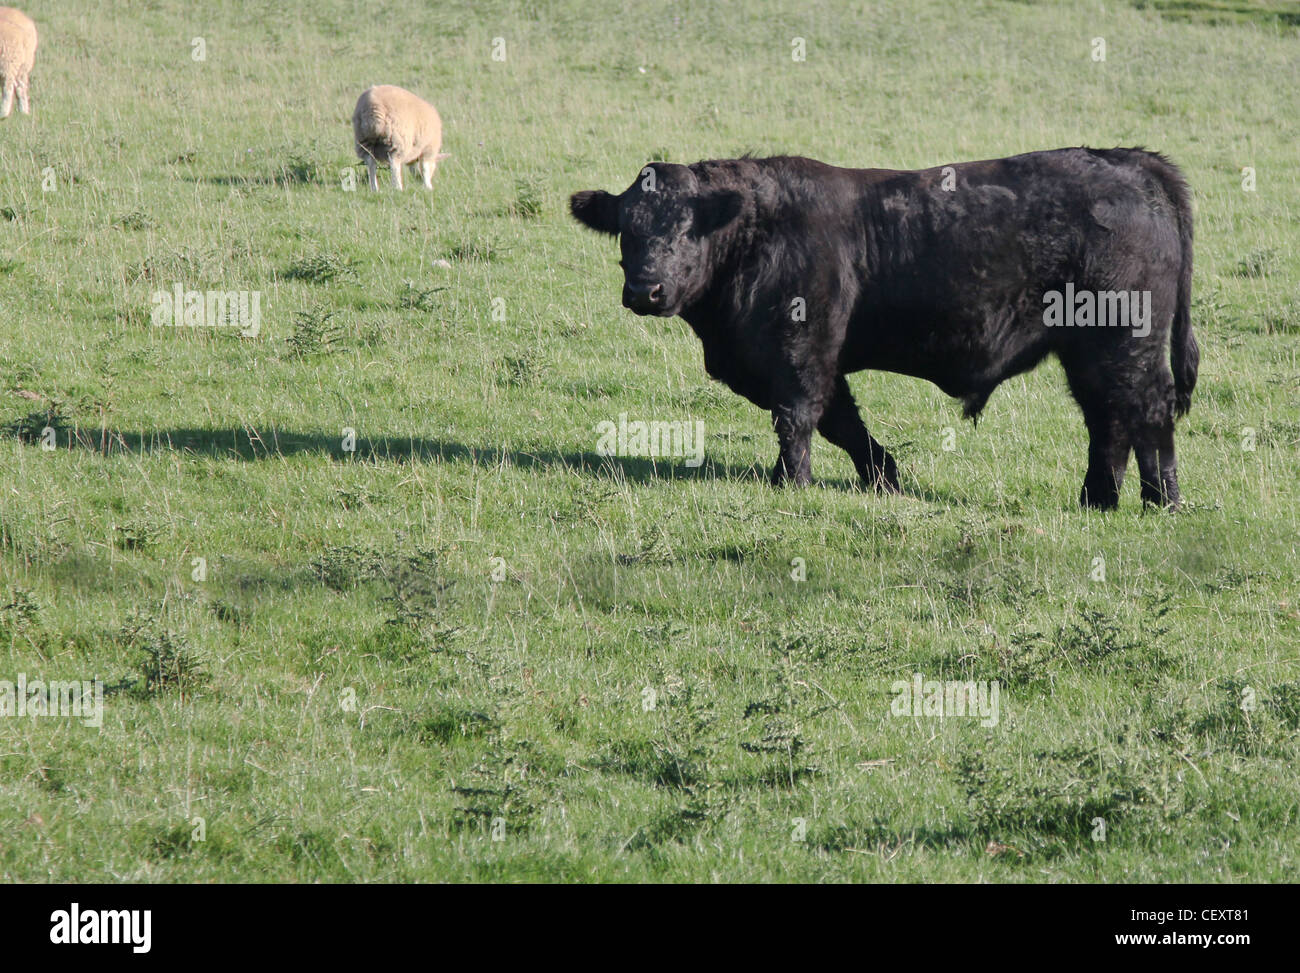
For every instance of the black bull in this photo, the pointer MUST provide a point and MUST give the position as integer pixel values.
(794, 274)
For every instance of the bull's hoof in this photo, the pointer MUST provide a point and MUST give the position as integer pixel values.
(1101, 488)
(1169, 504)
(882, 479)
(1098, 499)
(1164, 495)
(884, 485)
(783, 477)
(778, 482)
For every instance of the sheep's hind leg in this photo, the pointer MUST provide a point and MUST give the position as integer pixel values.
(395, 163)
(7, 105)
(426, 170)
(24, 105)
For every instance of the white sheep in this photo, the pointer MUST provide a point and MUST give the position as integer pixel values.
(17, 55)
(392, 125)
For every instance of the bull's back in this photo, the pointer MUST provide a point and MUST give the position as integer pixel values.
(962, 256)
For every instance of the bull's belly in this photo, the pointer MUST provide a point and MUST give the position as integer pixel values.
(958, 385)
(961, 360)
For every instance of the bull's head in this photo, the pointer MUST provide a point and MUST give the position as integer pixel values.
(664, 222)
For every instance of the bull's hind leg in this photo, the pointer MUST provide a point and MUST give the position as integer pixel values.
(1108, 417)
(1126, 405)
(1152, 431)
(1156, 464)
(1108, 449)
(842, 425)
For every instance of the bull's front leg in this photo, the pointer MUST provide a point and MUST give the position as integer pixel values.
(841, 424)
(804, 383)
(794, 425)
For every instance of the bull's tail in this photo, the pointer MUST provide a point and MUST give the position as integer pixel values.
(1184, 355)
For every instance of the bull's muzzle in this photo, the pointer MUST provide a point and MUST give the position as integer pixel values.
(645, 298)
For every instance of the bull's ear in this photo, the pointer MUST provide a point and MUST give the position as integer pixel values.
(715, 211)
(597, 209)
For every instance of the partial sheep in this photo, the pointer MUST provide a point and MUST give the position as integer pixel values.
(394, 126)
(17, 55)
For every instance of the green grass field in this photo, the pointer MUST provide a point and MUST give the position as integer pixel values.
(474, 649)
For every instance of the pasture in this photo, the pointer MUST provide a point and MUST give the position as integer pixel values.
(368, 600)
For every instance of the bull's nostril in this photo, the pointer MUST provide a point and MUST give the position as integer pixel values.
(657, 294)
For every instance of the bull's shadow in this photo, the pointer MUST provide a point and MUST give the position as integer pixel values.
(250, 445)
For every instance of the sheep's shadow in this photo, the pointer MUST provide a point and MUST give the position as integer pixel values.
(250, 445)
(258, 179)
